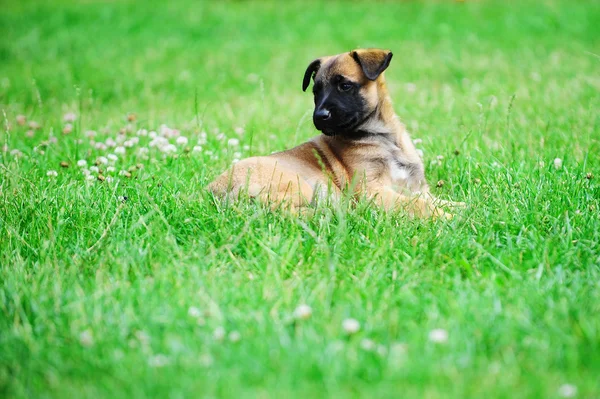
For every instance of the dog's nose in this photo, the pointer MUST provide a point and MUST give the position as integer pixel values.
(322, 114)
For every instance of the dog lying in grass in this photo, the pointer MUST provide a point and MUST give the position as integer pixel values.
(364, 147)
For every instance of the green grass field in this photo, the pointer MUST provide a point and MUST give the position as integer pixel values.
(142, 285)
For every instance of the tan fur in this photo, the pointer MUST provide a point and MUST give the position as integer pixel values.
(327, 165)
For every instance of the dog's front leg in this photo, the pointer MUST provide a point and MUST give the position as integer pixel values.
(418, 206)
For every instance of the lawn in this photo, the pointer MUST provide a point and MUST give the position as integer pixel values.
(121, 277)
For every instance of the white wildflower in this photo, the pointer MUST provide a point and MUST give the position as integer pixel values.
(69, 117)
(120, 150)
(219, 334)
(168, 148)
(567, 390)
(235, 336)
(82, 163)
(303, 312)
(86, 338)
(52, 173)
(367, 345)
(194, 312)
(438, 335)
(197, 148)
(158, 361)
(351, 326)
(557, 163)
(181, 140)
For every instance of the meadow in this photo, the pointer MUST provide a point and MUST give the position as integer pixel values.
(121, 277)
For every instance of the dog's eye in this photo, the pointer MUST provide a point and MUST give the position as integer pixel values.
(345, 86)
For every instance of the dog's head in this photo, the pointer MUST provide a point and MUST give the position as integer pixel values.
(345, 89)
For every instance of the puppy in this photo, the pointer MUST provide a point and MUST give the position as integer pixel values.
(364, 148)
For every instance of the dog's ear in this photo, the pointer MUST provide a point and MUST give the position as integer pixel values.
(312, 69)
(372, 61)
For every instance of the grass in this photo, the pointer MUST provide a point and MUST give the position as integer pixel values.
(102, 296)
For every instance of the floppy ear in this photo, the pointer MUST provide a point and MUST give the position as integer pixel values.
(372, 61)
(312, 69)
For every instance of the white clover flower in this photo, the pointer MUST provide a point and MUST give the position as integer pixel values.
(52, 173)
(158, 142)
(110, 169)
(567, 390)
(351, 326)
(102, 160)
(153, 134)
(86, 338)
(239, 130)
(303, 312)
(121, 139)
(235, 336)
(438, 336)
(69, 117)
(110, 143)
(120, 150)
(206, 360)
(221, 136)
(558, 163)
(90, 134)
(197, 148)
(101, 146)
(142, 337)
(219, 334)
(194, 312)
(85, 172)
(158, 361)
(367, 345)
(181, 140)
(142, 132)
(82, 163)
(168, 148)
(90, 177)
(21, 120)
(246, 147)
(109, 179)
(237, 154)
(112, 157)
(94, 169)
